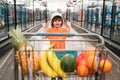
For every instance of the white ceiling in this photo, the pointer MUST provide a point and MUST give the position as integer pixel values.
(55, 4)
(56, 0)
(51, 4)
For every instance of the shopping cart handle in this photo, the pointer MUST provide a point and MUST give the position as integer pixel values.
(66, 34)
(54, 34)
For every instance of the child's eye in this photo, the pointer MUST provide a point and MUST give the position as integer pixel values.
(59, 20)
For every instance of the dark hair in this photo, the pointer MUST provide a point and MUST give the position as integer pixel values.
(56, 18)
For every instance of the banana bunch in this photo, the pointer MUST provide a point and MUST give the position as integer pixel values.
(50, 64)
(54, 62)
(45, 67)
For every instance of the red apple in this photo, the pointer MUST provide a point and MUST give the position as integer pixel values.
(81, 58)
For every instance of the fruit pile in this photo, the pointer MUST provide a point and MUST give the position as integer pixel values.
(87, 62)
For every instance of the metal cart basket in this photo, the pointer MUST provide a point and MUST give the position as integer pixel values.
(74, 44)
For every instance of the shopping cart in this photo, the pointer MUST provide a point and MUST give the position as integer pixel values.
(75, 44)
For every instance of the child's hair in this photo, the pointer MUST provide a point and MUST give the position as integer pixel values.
(56, 18)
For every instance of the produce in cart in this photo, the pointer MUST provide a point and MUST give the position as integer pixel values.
(92, 63)
(25, 54)
(82, 70)
(81, 58)
(90, 51)
(49, 64)
(105, 65)
(87, 62)
(54, 62)
(18, 39)
(68, 63)
(45, 67)
(28, 59)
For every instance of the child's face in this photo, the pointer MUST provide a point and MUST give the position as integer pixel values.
(57, 22)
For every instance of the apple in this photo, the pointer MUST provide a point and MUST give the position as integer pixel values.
(81, 58)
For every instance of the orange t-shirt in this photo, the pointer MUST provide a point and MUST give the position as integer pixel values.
(59, 42)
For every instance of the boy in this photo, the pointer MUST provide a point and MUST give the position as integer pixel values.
(57, 27)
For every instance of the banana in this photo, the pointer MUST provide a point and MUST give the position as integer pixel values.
(45, 67)
(54, 62)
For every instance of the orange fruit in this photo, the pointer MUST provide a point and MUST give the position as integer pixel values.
(91, 62)
(82, 70)
(105, 65)
(91, 51)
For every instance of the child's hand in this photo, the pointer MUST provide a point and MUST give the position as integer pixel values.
(44, 24)
(68, 24)
(44, 27)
